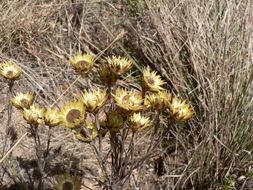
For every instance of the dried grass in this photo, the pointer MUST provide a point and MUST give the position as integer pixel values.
(204, 49)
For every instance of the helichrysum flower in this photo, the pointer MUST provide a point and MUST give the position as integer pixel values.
(52, 117)
(94, 99)
(128, 100)
(72, 114)
(107, 76)
(138, 122)
(10, 70)
(158, 101)
(151, 81)
(114, 121)
(82, 63)
(180, 110)
(35, 115)
(22, 100)
(67, 182)
(119, 65)
(88, 133)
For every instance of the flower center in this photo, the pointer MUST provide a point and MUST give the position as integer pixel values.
(67, 186)
(73, 115)
(117, 68)
(126, 99)
(35, 116)
(10, 73)
(24, 102)
(151, 81)
(82, 63)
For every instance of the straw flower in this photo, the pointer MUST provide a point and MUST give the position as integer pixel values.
(10, 70)
(94, 99)
(82, 63)
(180, 110)
(128, 100)
(138, 122)
(72, 114)
(35, 115)
(151, 81)
(107, 76)
(114, 121)
(87, 134)
(22, 100)
(119, 65)
(158, 101)
(52, 117)
(67, 182)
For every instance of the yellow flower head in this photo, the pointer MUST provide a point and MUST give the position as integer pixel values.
(82, 63)
(138, 122)
(22, 100)
(88, 133)
(67, 182)
(72, 114)
(52, 117)
(128, 100)
(35, 115)
(94, 99)
(10, 70)
(107, 76)
(119, 65)
(151, 81)
(114, 121)
(180, 110)
(158, 101)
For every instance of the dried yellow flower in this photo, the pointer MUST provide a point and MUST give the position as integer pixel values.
(72, 114)
(114, 121)
(180, 110)
(52, 117)
(35, 115)
(158, 101)
(94, 99)
(151, 81)
(22, 100)
(128, 100)
(10, 70)
(138, 122)
(82, 63)
(119, 65)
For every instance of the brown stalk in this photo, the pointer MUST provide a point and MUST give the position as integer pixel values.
(39, 153)
(99, 132)
(9, 128)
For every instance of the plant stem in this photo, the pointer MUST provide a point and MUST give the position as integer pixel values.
(150, 153)
(9, 126)
(99, 132)
(39, 154)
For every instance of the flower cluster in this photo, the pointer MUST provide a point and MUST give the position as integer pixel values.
(130, 105)
(115, 109)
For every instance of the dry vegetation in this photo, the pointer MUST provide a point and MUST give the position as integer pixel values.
(203, 49)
